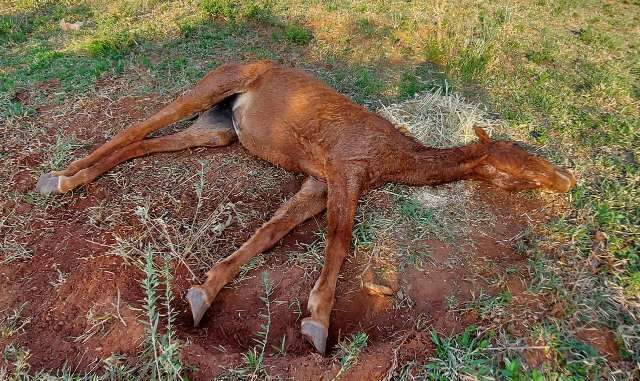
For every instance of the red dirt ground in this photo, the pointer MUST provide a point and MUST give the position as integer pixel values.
(65, 239)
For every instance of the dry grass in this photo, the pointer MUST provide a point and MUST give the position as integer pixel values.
(442, 121)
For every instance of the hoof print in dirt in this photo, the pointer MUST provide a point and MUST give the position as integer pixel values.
(48, 184)
(315, 333)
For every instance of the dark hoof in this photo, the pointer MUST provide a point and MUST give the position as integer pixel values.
(315, 333)
(48, 184)
(199, 303)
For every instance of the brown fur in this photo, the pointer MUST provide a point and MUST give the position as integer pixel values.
(292, 120)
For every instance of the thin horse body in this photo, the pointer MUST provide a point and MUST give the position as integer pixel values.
(292, 120)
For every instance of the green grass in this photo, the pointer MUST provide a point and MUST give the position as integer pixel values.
(417, 259)
(349, 351)
(564, 75)
(490, 306)
(461, 357)
(297, 34)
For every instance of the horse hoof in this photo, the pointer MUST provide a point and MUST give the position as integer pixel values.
(316, 333)
(48, 184)
(198, 302)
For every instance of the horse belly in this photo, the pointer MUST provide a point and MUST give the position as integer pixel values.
(266, 142)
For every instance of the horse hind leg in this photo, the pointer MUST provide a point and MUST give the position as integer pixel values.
(215, 87)
(213, 128)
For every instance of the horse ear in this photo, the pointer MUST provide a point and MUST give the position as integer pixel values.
(482, 135)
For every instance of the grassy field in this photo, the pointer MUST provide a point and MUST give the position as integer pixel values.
(563, 75)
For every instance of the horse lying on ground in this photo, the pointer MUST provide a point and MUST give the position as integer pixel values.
(292, 120)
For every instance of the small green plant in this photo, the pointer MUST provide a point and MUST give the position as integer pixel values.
(367, 83)
(410, 84)
(18, 357)
(415, 212)
(297, 34)
(575, 359)
(253, 368)
(281, 350)
(310, 257)
(461, 357)
(543, 276)
(514, 371)
(349, 350)
(117, 368)
(62, 150)
(417, 259)
(13, 323)
(451, 301)
(161, 350)
(433, 51)
(365, 27)
(472, 63)
(254, 263)
(99, 324)
(111, 44)
(227, 9)
(489, 305)
(363, 232)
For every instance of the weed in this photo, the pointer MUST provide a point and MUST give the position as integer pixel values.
(433, 51)
(116, 368)
(349, 350)
(472, 63)
(18, 357)
(254, 263)
(364, 231)
(575, 359)
(514, 371)
(365, 27)
(464, 356)
(413, 210)
(98, 325)
(491, 306)
(221, 8)
(424, 77)
(543, 278)
(367, 82)
(417, 259)
(451, 301)
(162, 350)
(13, 324)
(174, 241)
(409, 85)
(253, 368)
(297, 308)
(310, 258)
(297, 34)
(111, 45)
(281, 350)
(542, 55)
(62, 152)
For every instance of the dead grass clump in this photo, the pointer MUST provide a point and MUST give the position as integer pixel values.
(443, 121)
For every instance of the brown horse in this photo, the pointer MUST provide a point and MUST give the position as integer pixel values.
(292, 120)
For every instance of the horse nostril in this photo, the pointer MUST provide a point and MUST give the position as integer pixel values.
(565, 180)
